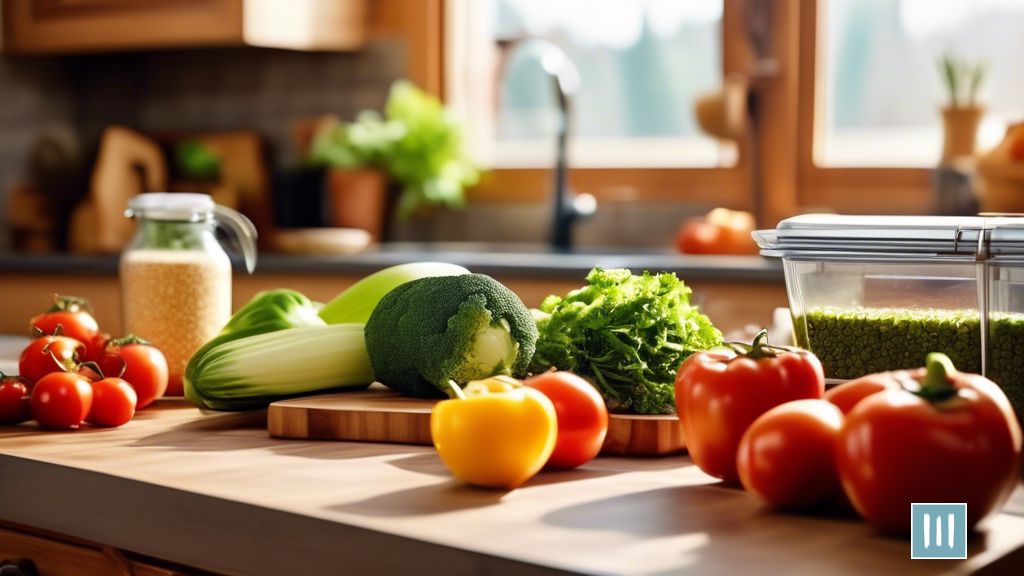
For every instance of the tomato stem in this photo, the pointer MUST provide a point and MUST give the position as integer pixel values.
(70, 304)
(938, 379)
(129, 339)
(63, 367)
(759, 348)
(95, 368)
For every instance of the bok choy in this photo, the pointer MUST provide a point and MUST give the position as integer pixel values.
(281, 344)
(251, 372)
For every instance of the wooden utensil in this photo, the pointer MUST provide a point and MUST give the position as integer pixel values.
(378, 414)
(129, 163)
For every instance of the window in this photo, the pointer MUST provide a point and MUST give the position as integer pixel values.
(642, 64)
(882, 88)
(848, 95)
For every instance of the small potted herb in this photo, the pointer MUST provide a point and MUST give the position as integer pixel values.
(960, 118)
(415, 143)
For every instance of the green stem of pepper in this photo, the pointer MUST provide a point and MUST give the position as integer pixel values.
(938, 382)
(758, 349)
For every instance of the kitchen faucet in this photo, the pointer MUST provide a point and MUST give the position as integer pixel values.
(566, 82)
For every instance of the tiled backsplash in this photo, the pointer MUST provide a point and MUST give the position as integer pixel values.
(265, 90)
(35, 95)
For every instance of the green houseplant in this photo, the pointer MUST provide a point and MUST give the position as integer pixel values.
(416, 142)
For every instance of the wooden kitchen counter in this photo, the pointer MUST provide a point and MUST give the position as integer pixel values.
(214, 491)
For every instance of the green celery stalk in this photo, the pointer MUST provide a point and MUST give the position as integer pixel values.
(251, 372)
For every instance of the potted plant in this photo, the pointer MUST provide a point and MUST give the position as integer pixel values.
(415, 144)
(960, 118)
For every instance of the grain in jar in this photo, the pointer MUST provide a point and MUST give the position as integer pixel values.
(177, 299)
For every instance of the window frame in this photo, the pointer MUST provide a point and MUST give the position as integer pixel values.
(844, 189)
(725, 186)
(791, 104)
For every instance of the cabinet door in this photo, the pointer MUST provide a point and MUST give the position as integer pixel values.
(52, 556)
(58, 26)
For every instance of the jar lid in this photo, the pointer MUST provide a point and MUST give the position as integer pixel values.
(171, 205)
(836, 237)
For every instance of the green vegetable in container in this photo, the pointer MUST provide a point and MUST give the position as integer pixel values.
(853, 342)
(626, 334)
(433, 331)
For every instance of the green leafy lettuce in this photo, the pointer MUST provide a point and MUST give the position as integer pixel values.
(626, 334)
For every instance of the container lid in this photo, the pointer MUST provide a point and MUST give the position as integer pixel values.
(171, 206)
(836, 237)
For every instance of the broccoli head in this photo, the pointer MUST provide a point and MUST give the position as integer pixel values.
(430, 331)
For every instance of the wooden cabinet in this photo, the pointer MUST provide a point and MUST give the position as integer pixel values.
(65, 26)
(53, 554)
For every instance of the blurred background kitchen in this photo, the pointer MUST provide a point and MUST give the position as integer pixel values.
(527, 139)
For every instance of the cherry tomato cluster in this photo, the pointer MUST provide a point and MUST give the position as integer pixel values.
(73, 373)
(760, 416)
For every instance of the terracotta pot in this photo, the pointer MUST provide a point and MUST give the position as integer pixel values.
(358, 199)
(960, 131)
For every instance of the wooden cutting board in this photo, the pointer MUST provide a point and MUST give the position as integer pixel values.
(378, 414)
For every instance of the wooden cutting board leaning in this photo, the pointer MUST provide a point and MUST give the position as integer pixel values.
(378, 414)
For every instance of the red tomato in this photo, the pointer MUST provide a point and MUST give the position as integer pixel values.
(145, 367)
(582, 417)
(98, 347)
(787, 455)
(36, 361)
(73, 316)
(61, 400)
(14, 400)
(719, 394)
(721, 231)
(849, 394)
(953, 438)
(113, 403)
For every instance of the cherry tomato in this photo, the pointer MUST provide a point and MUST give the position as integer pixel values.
(952, 437)
(582, 417)
(721, 231)
(14, 400)
(787, 455)
(849, 394)
(61, 400)
(36, 361)
(73, 316)
(98, 347)
(719, 394)
(113, 403)
(145, 367)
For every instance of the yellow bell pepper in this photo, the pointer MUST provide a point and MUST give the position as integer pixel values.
(498, 436)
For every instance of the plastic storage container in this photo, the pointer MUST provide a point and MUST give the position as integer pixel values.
(875, 293)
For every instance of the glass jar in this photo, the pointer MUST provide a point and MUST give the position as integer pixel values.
(176, 276)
